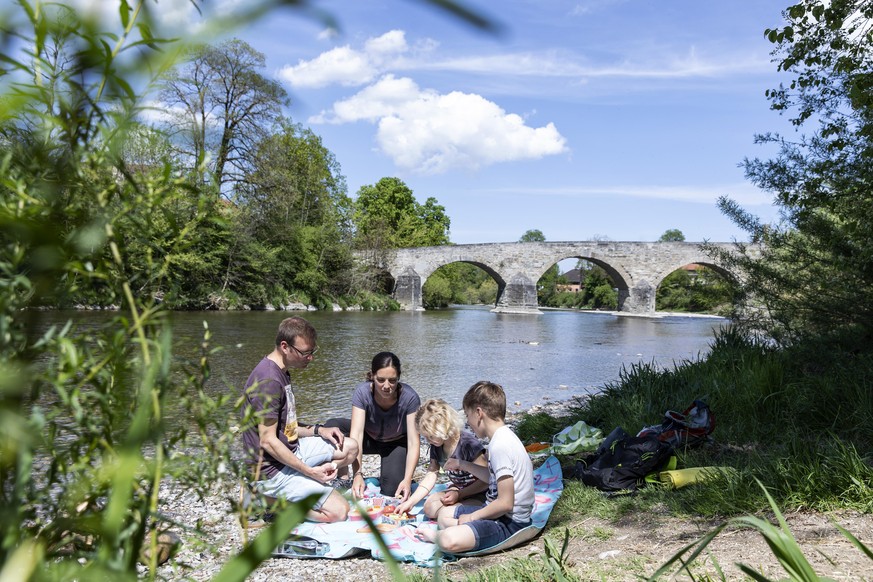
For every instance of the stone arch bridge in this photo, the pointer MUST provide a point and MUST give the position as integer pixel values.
(636, 268)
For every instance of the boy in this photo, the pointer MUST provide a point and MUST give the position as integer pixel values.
(510, 497)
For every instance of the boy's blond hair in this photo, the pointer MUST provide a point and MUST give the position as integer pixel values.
(438, 420)
(488, 396)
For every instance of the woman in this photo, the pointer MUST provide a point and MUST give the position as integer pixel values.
(383, 421)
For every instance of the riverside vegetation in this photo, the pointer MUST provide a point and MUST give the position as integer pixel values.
(94, 208)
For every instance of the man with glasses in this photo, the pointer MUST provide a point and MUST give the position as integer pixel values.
(290, 460)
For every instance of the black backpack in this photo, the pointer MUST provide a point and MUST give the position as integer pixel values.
(621, 462)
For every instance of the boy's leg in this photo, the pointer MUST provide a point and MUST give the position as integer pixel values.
(479, 534)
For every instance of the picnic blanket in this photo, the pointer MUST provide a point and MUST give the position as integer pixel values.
(340, 540)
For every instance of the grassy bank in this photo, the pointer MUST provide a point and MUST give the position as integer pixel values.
(800, 420)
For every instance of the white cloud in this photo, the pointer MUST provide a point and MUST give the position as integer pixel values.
(328, 34)
(341, 65)
(425, 131)
(347, 66)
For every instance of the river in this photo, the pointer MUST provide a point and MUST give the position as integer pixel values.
(536, 358)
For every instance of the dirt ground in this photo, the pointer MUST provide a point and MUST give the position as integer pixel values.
(637, 546)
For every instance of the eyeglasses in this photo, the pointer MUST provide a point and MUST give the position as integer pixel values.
(307, 354)
(391, 381)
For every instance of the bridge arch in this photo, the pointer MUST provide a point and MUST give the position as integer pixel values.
(488, 269)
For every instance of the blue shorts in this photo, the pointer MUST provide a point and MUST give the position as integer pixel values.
(293, 486)
(489, 532)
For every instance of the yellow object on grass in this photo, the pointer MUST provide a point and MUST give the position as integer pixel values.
(683, 477)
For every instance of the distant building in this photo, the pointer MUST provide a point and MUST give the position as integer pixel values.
(574, 281)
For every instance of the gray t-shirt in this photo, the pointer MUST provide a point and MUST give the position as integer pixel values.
(385, 425)
(269, 394)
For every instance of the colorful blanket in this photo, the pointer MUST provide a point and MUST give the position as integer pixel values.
(340, 540)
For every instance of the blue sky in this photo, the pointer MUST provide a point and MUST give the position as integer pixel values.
(584, 119)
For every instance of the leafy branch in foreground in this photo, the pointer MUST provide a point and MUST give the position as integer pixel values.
(90, 423)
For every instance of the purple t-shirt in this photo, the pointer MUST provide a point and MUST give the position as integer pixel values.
(269, 395)
(469, 448)
(385, 425)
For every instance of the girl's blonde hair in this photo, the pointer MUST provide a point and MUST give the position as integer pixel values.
(438, 420)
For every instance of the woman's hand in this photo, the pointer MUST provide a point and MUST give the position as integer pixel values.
(358, 486)
(403, 490)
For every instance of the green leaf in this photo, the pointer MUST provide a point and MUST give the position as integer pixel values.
(124, 13)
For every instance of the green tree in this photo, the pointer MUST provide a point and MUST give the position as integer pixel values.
(78, 491)
(225, 106)
(814, 274)
(460, 283)
(672, 235)
(598, 291)
(387, 216)
(703, 292)
(533, 235)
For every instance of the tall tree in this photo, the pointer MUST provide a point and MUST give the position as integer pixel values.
(293, 204)
(816, 273)
(223, 107)
(388, 216)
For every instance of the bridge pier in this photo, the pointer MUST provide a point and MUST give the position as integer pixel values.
(519, 296)
(407, 290)
(638, 299)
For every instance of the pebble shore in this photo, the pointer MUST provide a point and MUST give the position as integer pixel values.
(202, 557)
